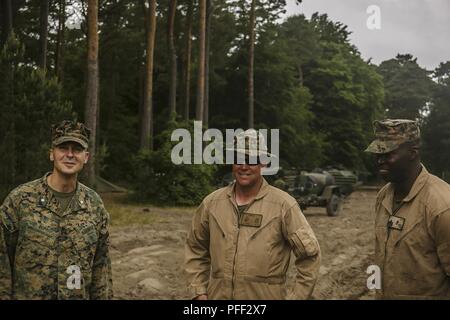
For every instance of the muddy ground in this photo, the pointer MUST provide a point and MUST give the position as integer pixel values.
(147, 260)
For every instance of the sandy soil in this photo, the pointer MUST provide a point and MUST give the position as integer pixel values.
(147, 260)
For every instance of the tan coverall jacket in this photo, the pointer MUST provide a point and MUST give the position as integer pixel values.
(415, 261)
(230, 261)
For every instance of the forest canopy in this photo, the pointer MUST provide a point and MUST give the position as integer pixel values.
(158, 65)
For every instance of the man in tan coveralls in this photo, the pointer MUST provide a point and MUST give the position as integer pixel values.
(242, 236)
(412, 217)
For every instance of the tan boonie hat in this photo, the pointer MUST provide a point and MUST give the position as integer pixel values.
(250, 142)
(391, 133)
(70, 131)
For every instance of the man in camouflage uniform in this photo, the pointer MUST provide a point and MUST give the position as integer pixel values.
(242, 236)
(54, 231)
(412, 217)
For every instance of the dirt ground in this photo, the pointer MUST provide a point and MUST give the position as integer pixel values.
(147, 260)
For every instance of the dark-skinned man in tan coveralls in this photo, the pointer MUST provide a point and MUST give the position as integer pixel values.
(412, 217)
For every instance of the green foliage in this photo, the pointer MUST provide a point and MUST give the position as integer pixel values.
(408, 87)
(310, 82)
(283, 101)
(160, 181)
(347, 91)
(436, 127)
(30, 103)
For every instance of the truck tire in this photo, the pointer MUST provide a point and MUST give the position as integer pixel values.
(334, 206)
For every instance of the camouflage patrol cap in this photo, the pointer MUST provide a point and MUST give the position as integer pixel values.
(70, 131)
(391, 133)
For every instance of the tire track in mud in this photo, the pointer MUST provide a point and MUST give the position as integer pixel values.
(147, 260)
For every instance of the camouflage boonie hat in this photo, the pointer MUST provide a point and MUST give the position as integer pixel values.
(250, 142)
(391, 133)
(70, 131)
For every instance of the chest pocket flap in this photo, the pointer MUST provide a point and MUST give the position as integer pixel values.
(38, 235)
(265, 224)
(85, 241)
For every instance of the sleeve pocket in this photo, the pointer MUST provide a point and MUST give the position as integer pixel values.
(304, 243)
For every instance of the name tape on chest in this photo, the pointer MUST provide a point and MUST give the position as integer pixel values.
(396, 223)
(250, 220)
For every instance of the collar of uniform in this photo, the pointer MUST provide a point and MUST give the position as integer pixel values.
(47, 199)
(387, 201)
(80, 198)
(263, 190)
(261, 193)
(417, 186)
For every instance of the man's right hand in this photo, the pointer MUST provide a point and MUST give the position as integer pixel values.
(201, 297)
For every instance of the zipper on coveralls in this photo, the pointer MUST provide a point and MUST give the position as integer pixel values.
(387, 239)
(237, 243)
(236, 211)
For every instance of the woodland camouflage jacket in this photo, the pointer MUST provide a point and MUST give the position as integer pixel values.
(44, 255)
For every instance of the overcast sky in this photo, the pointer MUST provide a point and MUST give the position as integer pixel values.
(419, 27)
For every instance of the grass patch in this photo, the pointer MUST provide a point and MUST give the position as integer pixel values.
(128, 215)
(124, 213)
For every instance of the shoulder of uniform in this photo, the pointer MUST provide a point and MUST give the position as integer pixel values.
(218, 194)
(91, 194)
(282, 197)
(96, 203)
(26, 189)
(438, 194)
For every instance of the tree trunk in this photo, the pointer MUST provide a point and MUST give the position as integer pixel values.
(92, 86)
(1, 22)
(97, 139)
(12, 142)
(251, 56)
(43, 31)
(172, 57)
(59, 63)
(6, 12)
(201, 62)
(209, 13)
(146, 141)
(187, 59)
(141, 91)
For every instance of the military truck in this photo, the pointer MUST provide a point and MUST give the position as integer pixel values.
(319, 188)
(316, 188)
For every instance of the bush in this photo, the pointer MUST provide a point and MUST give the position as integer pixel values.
(160, 181)
(29, 103)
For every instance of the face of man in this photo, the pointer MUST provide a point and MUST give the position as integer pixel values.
(69, 158)
(394, 166)
(247, 175)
